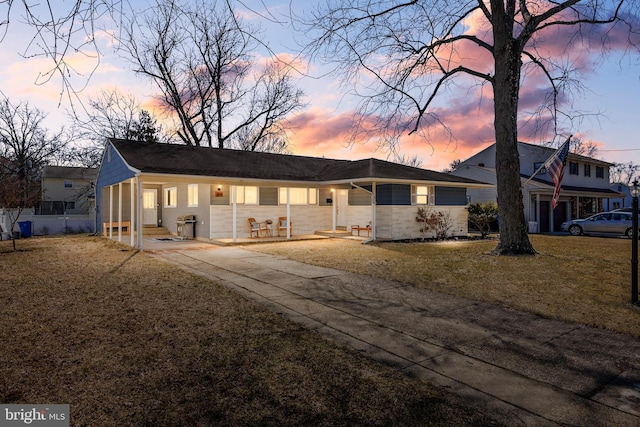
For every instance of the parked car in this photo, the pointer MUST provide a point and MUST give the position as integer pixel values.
(615, 222)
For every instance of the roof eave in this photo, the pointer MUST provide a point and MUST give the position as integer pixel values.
(409, 181)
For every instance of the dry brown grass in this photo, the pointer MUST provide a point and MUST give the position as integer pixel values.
(579, 279)
(127, 340)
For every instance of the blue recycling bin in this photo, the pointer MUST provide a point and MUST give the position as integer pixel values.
(25, 228)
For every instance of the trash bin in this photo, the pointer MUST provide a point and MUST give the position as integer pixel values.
(186, 226)
(25, 228)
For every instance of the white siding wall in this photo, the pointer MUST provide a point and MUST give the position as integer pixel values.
(479, 195)
(169, 215)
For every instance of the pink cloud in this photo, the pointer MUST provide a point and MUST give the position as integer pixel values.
(322, 133)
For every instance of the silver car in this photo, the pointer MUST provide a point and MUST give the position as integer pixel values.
(603, 223)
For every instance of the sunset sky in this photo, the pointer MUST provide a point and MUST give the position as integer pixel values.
(323, 127)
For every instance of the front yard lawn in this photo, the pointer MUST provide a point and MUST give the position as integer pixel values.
(579, 279)
(127, 340)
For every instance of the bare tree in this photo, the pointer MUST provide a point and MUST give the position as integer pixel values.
(413, 161)
(25, 147)
(583, 148)
(624, 173)
(405, 54)
(59, 31)
(201, 57)
(111, 115)
(455, 164)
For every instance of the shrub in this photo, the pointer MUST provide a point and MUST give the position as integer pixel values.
(438, 223)
(481, 215)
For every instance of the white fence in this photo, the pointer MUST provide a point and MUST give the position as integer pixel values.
(41, 225)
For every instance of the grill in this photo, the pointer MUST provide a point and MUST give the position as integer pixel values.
(186, 225)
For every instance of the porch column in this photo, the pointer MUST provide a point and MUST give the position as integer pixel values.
(139, 213)
(234, 220)
(538, 211)
(288, 214)
(120, 211)
(333, 209)
(132, 215)
(373, 210)
(111, 211)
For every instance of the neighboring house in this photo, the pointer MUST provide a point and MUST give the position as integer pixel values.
(170, 181)
(68, 202)
(621, 201)
(67, 190)
(585, 188)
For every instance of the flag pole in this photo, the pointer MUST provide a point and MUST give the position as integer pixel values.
(534, 174)
(543, 164)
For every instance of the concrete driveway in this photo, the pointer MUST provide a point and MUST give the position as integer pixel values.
(521, 368)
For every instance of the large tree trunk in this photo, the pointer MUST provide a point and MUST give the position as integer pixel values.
(514, 239)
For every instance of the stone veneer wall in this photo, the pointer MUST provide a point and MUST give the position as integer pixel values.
(305, 219)
(399, 222)
(393, 222)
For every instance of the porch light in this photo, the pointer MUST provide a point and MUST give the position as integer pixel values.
(634, 190)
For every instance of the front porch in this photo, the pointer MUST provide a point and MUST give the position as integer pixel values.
(153, 240)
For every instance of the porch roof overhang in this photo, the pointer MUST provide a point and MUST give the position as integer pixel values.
(155, 178)
(541, 187)
(382, 180)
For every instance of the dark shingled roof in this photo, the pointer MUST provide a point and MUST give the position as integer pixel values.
(204, 161)
(69, 172)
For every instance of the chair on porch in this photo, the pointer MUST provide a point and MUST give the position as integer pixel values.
(259, 228)
(282, 225)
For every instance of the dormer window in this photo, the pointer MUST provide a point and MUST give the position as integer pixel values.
(538, 165)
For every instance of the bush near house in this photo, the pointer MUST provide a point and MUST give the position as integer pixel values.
(433, 223)
(482, 216)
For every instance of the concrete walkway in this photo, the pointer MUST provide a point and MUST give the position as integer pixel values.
(520, 368)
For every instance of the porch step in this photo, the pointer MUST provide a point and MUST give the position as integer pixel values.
(155, 231)
(330, 233)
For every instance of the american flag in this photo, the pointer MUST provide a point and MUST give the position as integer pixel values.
(555, 168)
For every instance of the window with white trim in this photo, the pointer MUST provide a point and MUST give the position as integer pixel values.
(170, 197)
(192, 195)
(299, 196)
(421, 195)
(246, 195)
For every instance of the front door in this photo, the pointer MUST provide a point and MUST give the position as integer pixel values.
(341, 208)
(150, 207)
